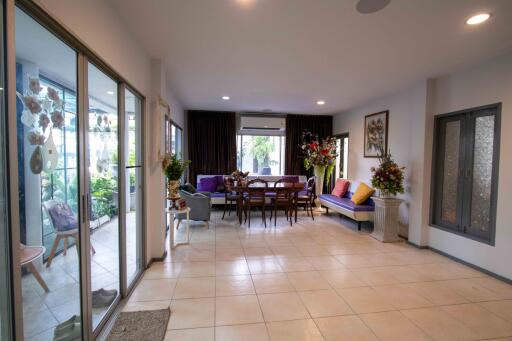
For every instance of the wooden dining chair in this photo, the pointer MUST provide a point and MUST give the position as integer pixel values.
(282, 199)
(230, 196)
(29, 254)
(307, 197)
(255, 197)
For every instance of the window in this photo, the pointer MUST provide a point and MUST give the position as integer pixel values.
(176, 140)
(464, 189)
(260, 154)
(341, 169)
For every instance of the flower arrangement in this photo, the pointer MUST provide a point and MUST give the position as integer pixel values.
(318, 153)
(239, 175)
(388, 177)
(173, 167)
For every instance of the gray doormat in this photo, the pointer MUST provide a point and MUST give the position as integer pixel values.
(140, 325)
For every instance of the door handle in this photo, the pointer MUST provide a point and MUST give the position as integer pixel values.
(84, 209)
(468, 173)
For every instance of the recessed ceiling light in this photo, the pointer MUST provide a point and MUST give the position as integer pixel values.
(110, 92)
(225, 98)
(320, 102)
(478, 19)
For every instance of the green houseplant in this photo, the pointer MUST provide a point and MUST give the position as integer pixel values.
(173, 169)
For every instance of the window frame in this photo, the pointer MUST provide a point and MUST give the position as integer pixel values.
(466, 150)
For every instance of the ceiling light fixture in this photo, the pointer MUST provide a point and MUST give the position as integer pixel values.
(320, 102)
(110, 92)
(478, 19)
(225, 98)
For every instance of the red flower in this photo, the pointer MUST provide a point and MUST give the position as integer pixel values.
(324, 152)
(314, 146)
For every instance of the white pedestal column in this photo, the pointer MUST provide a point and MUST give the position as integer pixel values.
(385, 226)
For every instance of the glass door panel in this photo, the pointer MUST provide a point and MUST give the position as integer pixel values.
(102, 162)
(5, 292)
(133, 178)
(46, 85)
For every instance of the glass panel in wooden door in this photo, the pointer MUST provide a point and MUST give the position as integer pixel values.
(133, 176)
(102, 162)
(46, 113)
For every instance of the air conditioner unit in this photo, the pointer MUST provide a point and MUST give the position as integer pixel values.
(250, 122)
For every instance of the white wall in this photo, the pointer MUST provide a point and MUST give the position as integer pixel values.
(404, 109)
(97, 25)
(411, 137)
(486, 84)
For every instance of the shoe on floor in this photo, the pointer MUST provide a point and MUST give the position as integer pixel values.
(101, 298)
(69, 332)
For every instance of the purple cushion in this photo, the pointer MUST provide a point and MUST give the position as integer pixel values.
(367, 206)
(220, 183)
(217, 195)
(291, 178)
(62, 217)
(207, 185)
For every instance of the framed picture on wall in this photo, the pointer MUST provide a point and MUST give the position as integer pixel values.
(376, 134)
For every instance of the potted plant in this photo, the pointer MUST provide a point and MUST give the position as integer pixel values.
(321, 155)
(388, 178)
(173, 169)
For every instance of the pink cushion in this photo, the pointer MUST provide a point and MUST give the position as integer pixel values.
(341, 187)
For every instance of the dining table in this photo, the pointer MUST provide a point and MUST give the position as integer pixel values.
(280, 187)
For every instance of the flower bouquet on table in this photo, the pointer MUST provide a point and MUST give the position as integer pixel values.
(239, 176)
(173, 169)
(321, 156)
(388, 178)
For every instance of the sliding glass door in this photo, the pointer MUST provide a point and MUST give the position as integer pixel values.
(5, 278)
(133, 184)
(77, 129)
(49, 214)
(103, 177)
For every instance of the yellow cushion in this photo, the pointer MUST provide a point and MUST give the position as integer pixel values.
(362, 193)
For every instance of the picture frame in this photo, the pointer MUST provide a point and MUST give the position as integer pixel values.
(376, 134)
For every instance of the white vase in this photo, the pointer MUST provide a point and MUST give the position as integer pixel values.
(319, 184)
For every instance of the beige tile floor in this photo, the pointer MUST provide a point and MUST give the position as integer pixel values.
(318, 280)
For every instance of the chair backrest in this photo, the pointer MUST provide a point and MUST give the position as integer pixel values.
(61, 215)
(310, 186)
(280, 194)
(229, 182)
(256, 189)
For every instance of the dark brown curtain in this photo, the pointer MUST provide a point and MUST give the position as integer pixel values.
(295, 125)
(211, 143)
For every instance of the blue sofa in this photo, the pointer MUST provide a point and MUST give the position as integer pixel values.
(345, 206)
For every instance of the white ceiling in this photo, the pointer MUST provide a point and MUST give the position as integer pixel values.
(284, 55)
